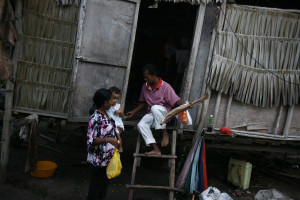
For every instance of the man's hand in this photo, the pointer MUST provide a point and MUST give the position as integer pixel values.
(130, 114)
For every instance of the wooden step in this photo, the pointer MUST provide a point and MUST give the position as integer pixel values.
(154, 187)
(153, 156)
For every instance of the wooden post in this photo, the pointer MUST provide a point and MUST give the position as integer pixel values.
(288, 121)
(217, 108)
(278, 120)
(203, 108)
(77, 52)
(172, 171)
(6, 129)
(136, 15)
(228, 110)
(194, 52)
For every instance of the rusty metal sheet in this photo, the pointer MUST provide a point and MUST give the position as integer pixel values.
(107, 31)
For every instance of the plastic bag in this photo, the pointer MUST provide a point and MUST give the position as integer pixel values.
(185, 117)
(114, 166)
(211, 193)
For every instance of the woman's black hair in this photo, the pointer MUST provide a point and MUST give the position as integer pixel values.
(151, 69)
(101, 96)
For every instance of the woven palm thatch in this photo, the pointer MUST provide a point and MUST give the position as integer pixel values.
(256, 57)
(192, 1)
(44, 72)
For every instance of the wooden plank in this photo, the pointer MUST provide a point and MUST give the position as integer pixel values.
(172, 171)
(153, 187)
(288, 121)
(252, 148)
(40, 112)
(195, 47)
(154, 156)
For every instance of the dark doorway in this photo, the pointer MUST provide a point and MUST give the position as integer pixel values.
(164, 38)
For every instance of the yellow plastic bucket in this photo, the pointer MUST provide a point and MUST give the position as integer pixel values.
(44, 169)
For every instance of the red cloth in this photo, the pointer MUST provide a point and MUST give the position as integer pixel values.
(204, 166)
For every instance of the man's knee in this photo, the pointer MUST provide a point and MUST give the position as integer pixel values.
(141, 125)
(155, 108)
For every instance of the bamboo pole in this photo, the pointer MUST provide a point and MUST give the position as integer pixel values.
(288, 121)
(6, 129)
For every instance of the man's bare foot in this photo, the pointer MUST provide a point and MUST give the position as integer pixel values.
(153, 152)
(165, 138)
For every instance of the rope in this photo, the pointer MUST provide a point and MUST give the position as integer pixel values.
(241, 43)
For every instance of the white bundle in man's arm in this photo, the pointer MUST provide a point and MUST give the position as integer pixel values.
(182, 108)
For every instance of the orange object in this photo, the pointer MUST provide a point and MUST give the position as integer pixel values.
(183, 117)
(44, 169)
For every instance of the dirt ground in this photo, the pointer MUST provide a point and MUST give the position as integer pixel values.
(73, 174)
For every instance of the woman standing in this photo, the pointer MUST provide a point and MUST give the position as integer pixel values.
(101, 143)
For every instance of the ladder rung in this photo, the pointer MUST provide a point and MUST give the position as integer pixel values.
(153, 187)
(153, 156)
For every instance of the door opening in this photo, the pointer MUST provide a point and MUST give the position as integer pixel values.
(164, 38)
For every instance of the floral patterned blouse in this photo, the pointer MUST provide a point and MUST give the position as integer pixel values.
(102, 127)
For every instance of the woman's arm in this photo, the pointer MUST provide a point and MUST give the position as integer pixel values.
(112, 141)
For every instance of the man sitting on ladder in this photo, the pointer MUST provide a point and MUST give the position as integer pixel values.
(160, 97)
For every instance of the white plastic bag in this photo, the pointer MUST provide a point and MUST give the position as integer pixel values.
(211, 193)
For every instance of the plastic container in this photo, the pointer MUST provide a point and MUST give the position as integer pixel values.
(239, 173)
(210, 123)
(44, 169)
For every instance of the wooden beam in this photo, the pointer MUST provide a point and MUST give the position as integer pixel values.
(252, 148)
(82, 11)
(194, 52)
(288, 121)
(154, 156)
(131, 47)
(153, 187)
(203, 108)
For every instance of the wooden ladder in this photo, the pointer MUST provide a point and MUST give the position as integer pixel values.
(136, 162)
